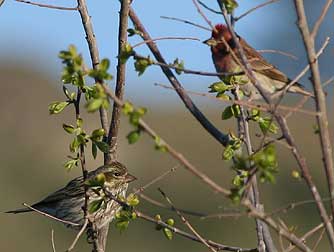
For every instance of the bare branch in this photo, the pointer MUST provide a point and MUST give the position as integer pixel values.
(219, 136)
(165, 38)
(78, 236)
(186, 22)
(48, 6)
(254, 9)
(187, 223)
(50, 216)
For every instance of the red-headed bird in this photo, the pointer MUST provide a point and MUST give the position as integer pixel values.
(269, 77)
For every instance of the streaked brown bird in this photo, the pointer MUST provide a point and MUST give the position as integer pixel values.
(67, 203)
(271, 79)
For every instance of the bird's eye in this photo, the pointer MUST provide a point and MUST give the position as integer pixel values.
(117, 174)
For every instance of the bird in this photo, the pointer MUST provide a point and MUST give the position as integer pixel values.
(67, 203)
(270, 77)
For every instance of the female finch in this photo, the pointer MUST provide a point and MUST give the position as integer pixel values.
(67, 203)
(269, 77)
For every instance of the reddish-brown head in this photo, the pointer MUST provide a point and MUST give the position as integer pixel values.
(221, 31)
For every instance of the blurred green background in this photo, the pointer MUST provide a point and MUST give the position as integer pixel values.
(34, 145)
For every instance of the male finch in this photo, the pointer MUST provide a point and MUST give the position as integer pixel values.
(67, 203)
(269, 77)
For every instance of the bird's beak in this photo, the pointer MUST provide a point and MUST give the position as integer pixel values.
(210, 42)
(129, 178)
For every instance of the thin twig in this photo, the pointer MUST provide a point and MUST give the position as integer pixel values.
(165, 38)
(186, 22)
(195, 2)
(50, 216)
(175, 230)
(290, 55)
(53, 241)
(155, 180)
(254, 9)
(78, 236)
(321, 19)
(186, 222)
(48, 6)
(258, 105)
(208, 8)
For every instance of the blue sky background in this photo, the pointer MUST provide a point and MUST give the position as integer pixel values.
(33, 36)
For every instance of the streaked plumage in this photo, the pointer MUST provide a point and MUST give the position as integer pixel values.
(67, 203)
(270, 77)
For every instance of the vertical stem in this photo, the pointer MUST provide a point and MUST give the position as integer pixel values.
(120, 80)
(99, 243)
(320, 98)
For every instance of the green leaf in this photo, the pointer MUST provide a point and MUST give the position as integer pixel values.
(223, 97)
(103, 146)
(228, 152)
(94, 150)
(133, 136)
(179, 65)
(230, 5)
(104, 64)
(220, 87)
(159, 144)
(127, 108)
(57, 107)
(70, 164)
(227, 113)
(141, 65)
(168, 233)
(132, 200)
(79, 122)
(94, 104)
(94, 206)
(74, 145)
(98, 180)
(132, 32)
(266, 124)
(170, 222)
(97, 134)
(68, 128)
(126, 53)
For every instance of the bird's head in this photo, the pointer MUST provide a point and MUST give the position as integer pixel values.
(112, 175)
(220, 33)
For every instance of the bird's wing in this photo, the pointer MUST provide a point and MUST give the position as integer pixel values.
(73, 189)
(260, 65)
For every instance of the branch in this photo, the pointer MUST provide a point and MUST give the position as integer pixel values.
(192, 237)
(187, 223)
(120, 79)
(219, 136)
(320, 99)
(99, 241)
(48, 6)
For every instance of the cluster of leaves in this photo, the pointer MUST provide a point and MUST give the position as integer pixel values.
(74, 75)
(266, 163)
(134, 115)
(126, 214)
(141, 63)
(263, 162)
(230, 5)
(227, 83)
(266, 124)
(166, 231)
(233, 145)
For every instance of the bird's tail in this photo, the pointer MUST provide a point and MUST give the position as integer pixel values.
(21, 210)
